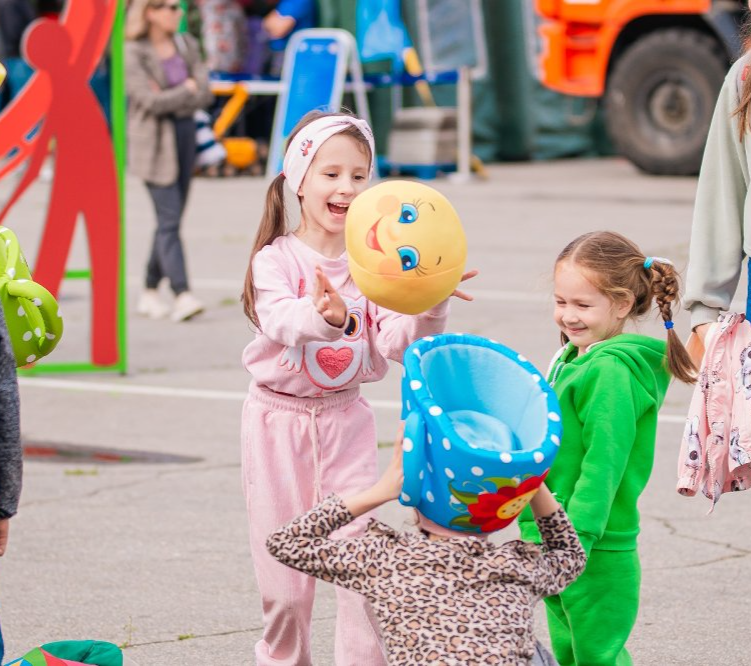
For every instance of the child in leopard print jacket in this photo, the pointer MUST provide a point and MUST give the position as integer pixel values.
(439, 599)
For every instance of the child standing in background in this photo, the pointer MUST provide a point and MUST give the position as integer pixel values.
(610, 386)
(306, 430)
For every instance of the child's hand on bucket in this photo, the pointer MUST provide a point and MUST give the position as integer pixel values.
(392, 480)
(387, 488)
(544, 503)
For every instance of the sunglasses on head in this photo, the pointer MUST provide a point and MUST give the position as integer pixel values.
(175, 7)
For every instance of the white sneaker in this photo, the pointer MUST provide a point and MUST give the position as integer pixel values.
(186, 306)
(151, 306)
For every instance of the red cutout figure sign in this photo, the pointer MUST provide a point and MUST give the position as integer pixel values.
(59, 100)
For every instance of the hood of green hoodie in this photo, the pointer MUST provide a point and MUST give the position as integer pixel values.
(645, 357)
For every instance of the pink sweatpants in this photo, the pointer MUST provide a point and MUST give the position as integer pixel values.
(295, 451)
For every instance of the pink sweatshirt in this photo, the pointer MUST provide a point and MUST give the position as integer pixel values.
(298, 352)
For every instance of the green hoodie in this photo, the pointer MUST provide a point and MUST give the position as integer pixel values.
(609, 400)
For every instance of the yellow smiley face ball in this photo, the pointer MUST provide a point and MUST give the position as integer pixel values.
(406, 246)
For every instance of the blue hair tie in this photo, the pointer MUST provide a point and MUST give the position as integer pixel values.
(668, 325)
(648, 262)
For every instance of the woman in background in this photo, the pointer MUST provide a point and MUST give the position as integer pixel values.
(167, 83)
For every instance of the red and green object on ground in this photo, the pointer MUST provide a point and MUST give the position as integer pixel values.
(73, 653)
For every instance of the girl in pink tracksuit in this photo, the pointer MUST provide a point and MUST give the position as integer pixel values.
(306, 431)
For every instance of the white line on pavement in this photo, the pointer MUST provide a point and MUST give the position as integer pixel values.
(202, 394)
(129, 389)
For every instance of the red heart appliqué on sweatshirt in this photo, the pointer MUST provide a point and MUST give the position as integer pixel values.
(334, 361)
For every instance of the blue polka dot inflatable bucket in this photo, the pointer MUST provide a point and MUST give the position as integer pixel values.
(482, 429)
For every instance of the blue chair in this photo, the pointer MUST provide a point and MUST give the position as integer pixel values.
(482, 429)
(314, 75)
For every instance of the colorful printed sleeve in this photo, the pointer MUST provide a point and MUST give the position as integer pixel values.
(396, 331)
(304, 545)
(563, 557)
(286, 318)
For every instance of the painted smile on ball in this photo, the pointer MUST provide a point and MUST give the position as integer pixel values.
(371, 238)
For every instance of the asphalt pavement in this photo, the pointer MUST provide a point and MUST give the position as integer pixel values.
(150, 551)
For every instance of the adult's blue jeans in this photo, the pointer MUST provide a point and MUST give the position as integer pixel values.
(167, 257)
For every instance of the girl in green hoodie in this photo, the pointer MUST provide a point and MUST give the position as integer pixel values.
(610, 386)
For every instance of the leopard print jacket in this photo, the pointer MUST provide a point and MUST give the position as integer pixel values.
(454, 601)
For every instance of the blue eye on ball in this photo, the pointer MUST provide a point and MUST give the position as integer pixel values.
(410, 257)
(409, 214)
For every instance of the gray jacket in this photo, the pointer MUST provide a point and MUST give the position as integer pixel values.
(10, 432)
(721, 230)
(152, 148)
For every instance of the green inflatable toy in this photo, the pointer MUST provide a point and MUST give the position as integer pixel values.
(31, 312)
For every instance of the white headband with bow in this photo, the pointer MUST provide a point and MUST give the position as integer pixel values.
(304, 145)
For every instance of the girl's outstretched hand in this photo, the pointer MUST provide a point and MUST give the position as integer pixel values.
(463, 294)
(328, 301)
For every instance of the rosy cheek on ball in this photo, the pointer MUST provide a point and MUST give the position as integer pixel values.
(388, 204)
(390, 267)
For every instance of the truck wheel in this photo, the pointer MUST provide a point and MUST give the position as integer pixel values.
(660, 99)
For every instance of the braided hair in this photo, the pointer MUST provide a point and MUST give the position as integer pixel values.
(618, 268)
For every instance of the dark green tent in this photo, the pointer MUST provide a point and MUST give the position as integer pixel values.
(515, 118)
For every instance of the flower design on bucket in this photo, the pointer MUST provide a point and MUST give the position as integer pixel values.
(493, 510)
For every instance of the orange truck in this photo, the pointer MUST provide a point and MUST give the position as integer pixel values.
(657, 64)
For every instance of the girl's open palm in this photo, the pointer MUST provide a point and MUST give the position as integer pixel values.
(328, 301)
